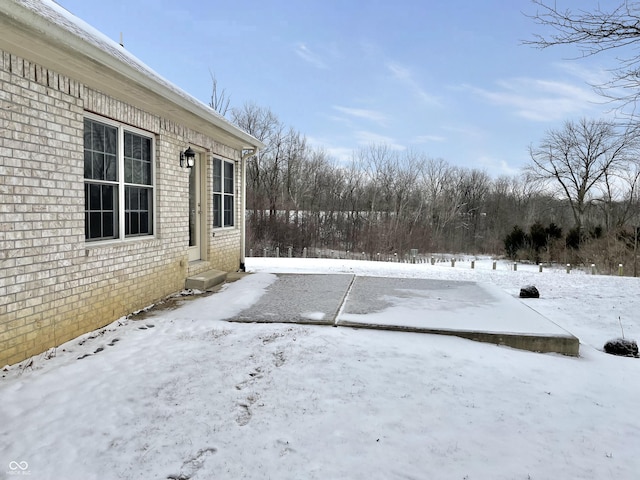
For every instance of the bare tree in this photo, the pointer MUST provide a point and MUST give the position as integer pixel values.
(578, 159)
(594, 32)
(219, 98)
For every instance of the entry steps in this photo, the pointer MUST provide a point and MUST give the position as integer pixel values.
(205, 280)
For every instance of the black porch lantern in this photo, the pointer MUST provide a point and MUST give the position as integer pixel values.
(187, 158)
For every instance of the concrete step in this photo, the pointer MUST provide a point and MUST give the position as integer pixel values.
(205, 280)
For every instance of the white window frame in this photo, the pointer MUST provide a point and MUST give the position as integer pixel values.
(223, 194)
(121, 184)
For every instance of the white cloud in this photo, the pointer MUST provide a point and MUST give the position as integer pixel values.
(371, 115)
(341, 154)
(429, 138)
(364, 137)
(497, 166)
(310, 57)
(405, 76)
(541, 100)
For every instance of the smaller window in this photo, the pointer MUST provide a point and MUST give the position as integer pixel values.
(223, 193)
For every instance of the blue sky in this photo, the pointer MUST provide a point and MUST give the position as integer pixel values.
(450, 79)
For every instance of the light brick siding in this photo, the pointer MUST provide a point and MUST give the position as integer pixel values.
(55, 286)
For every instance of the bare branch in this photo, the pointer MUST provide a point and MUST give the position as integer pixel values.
(593, 33)
(219, 98)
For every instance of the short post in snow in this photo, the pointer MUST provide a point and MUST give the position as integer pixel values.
(473, 264)
(568, 268)
(494, 265)
(251, 252)
(540, 267)
(364, 256)
(433, 261)
(304, 252)
(290, 252)
(620, 270)
(277, 252)
(264, 252)
(515, 266)
(593, 269)
(453, 262)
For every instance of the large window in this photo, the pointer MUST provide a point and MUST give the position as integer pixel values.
(118, 181)
(223, 193)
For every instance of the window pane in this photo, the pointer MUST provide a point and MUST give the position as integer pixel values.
(228, 211)
(100, 149)
(128, 145)
(94, 197)
(146, 148)
(95, 225)
(144, 200)
(111, 140)
(107, 198)
(137, 172)
(146, 173)
(128, 170)
(134, 223)
(98, 166)
(217, 175)
(137, 147)
(88, 164)
(111, 167)
(144, 223)
(228, 177)
(217, 210)
(100, 211)
(138, 211)
(107, 224)
(137, 159)
(97, 137)
(134, 194)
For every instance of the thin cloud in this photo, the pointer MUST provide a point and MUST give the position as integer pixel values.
(498, 166)
(540, 100)
(310, 57)
(364, 137)
(371, 115)
(429, 139)
(341, 154)
(405, 76)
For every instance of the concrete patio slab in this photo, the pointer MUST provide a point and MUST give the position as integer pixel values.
(470, 310)
(476, 311)
(300, 298)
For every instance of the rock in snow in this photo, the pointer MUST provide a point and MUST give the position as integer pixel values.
(622, 347)
(529, 292)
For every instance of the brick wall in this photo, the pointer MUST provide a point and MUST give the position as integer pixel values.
(53, 285)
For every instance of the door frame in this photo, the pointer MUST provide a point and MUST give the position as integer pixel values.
(198, 252)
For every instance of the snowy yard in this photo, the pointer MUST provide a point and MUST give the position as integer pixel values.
(182, 394)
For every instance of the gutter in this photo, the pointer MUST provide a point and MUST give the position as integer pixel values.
(243, 217)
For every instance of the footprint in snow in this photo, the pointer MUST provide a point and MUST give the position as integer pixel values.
(244, 415)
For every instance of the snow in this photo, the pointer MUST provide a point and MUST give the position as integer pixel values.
(184, 394)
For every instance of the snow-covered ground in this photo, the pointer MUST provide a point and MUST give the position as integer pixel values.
(182, 394)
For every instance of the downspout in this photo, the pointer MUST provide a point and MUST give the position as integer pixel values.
(243, 206)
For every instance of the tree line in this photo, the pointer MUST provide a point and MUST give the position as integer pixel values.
(567, 203)
(576, 201)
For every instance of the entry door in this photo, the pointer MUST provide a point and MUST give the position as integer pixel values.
(195, 211)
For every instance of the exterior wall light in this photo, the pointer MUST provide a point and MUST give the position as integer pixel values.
(187, 158)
